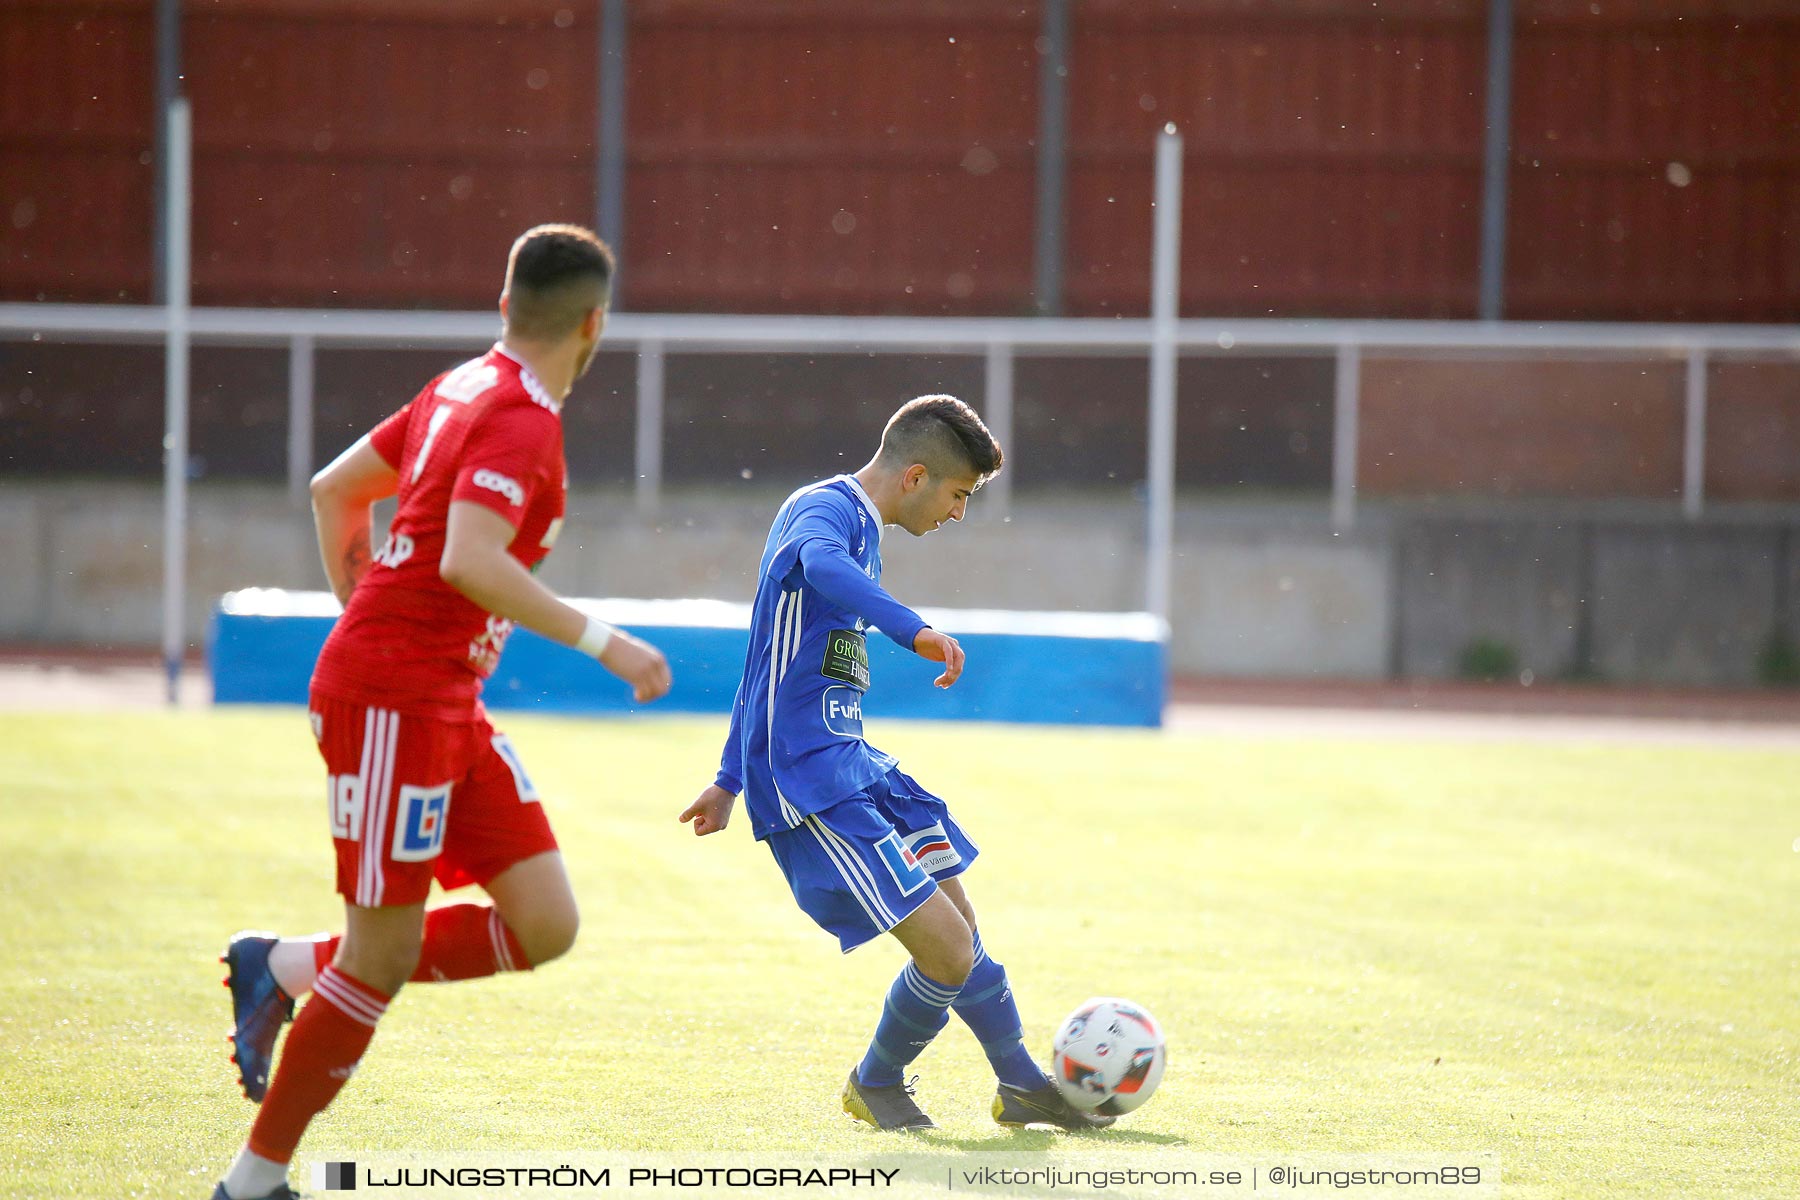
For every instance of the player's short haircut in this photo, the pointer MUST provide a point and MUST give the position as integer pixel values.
(555, 276)
(944, 434)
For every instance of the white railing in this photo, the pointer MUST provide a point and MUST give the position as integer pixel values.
(997, 339)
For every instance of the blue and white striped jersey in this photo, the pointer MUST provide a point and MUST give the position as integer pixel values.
(796, 743)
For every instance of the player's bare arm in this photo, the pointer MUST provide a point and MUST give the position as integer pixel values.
(341, 496)
(475, 562)
(711, 812)
(942, 648)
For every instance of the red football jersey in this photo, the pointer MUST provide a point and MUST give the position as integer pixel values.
(486, 432)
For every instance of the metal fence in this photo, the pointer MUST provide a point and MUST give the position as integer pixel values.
(997, 341)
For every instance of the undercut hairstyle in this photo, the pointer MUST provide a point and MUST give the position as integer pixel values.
(945, 435)
(555, 276)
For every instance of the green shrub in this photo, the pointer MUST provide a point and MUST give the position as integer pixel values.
(1779, 663)
(1488, 659)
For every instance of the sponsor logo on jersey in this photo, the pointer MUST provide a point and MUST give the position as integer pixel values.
(931, 848)
(843, 711)
(494, 481)
(396, 550)
(846, 658)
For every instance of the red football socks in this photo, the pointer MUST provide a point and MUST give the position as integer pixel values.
(326, 1043)
(462, 941)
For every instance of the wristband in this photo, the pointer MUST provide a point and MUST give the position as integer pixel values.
(595, 638)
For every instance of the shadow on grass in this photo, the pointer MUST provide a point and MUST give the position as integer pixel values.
(1044, 1139)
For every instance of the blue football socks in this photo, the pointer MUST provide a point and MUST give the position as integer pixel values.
(917, 1008)
(986, 1005)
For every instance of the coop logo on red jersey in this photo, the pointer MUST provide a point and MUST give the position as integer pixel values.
(396, 550)
(494, 481)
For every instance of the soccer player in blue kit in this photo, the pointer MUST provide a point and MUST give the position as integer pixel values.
(865, 849)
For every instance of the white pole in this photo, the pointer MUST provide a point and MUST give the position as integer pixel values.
(1343, 438)
(1164, 305)
(649, 424)
(997, 410)
(175, 393)
(300, 417)
(1693, 458)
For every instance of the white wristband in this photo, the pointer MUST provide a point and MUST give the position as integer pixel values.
(595, 638)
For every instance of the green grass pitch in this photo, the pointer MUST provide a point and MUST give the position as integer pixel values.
(1585, 959)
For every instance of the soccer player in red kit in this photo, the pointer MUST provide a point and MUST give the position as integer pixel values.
(420, 786)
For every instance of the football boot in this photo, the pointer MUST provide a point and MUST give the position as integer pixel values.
(1017, 1107)
(889, 1107)
(259, 1008)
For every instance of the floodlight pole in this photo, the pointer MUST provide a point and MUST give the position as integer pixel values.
(1165, 273)
(1693, 450)
(301, 355)
(997, 408)
(1346, 395)
(1052, 159)
(175, 390)
(649, 449)
(1496, 150)
(168, 86)
(610, 136)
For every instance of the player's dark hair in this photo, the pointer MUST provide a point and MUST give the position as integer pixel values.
(944, 434)
(555, 276)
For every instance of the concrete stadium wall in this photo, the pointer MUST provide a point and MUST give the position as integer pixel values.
(1626, 595)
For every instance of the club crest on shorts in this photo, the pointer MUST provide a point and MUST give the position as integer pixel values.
(908, 875)
(419, 833)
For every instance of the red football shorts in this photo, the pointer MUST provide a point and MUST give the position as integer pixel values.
(412, 799)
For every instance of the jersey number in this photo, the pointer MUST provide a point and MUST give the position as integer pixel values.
(439, 417)
(461, 386)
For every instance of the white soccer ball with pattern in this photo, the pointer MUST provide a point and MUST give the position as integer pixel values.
(1109, 1056)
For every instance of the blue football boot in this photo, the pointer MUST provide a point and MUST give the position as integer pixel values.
(259, 1008)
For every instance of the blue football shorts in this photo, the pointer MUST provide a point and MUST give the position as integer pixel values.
(862, 866)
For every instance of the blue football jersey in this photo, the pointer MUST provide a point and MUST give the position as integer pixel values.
(796, 743)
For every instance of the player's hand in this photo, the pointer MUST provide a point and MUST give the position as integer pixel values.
(638, 663)
(940, 647)
(711, 812)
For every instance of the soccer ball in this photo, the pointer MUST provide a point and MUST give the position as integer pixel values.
(1109, 1056)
